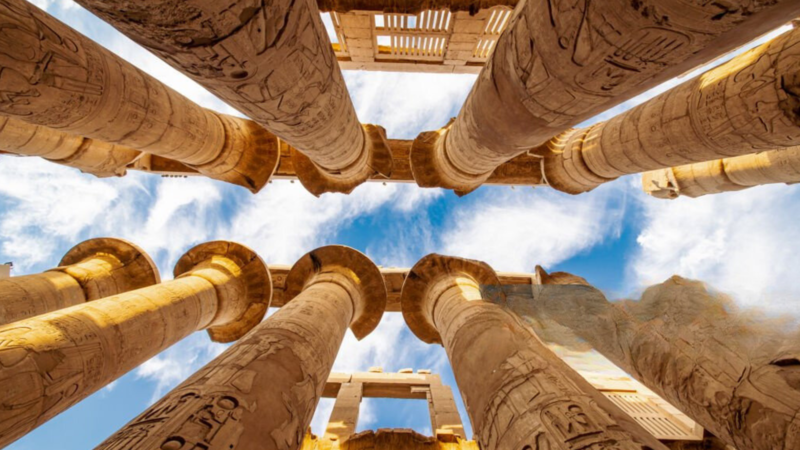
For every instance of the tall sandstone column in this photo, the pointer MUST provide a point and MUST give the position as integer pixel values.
(680, 340)
(91, 270)
(262, 392)
(96, 157)
(519, 395)
(50, 362)
(53, 76)
(272, 61)
(725, 175)
(561, 62)
(747, 105)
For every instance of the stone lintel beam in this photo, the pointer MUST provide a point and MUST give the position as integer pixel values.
(518, 393)
(748, 105)
(55, 77)
(52, 361)
(679, 342)
(263, 390)
(410, 6)
(557, 65)
(91, 270)
(274, 63)
(95, 157)
(724, 175)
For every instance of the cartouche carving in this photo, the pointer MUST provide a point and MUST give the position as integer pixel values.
(52, 361)
(563, 61)
(51, 75)
(272, 379)
(519, 395)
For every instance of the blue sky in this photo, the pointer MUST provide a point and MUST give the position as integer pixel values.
(745, 243)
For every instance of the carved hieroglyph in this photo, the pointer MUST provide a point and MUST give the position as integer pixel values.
(53, 76)
(725, 175)
(52, 361)
(680, 341)
(96, 157)
(261, 393)
(519, 395)
(272, 61)
(749, 104)
(91, 270)
(563, 61)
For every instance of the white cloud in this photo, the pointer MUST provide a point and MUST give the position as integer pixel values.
(743, 243)
(514, 231)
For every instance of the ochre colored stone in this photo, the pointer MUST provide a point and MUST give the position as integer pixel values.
(52, 361)
(55, 77)
(91, 270)
(682, 342)
(560, 63)
(272, 61)
(262, 392)
(744, 106)
(725, 175)
(518, 393)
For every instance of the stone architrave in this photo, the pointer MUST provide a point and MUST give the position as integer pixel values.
(561, 62)
(91, 270)
(273, 61)
(53, 76)
(748, 105)
(725, 175)
(50, 362)
(680, 341)
(519, 394)
(261, 393)
(95, 157)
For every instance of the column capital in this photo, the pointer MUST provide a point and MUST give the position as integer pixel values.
(245, 309)
(376, 157)
(355, 266)
(422, 287)
(432, 167)
(131, 268)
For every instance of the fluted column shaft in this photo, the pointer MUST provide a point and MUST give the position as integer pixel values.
(725, 175)
(273, 61)
(559, 63)
(689, 351)
(517, 392)
(52, 361)
(745, 106)
(261, 393)
(91, 270)
(53, 76)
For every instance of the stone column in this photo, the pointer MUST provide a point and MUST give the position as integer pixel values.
(344, 417)
(561, 62)
(445, 419)
(680, 341)
(91, 270)
(50, 362)
(725, 175)
(745, 106)
(53, 76)
(95, 157)
(272, 61)
(262, 392)
(519, 395)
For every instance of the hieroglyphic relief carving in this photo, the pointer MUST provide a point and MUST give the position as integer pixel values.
(519, 394)
(734, 377)
(51, 361)
(271, 60)
(276, 373)
(563, 61)
(53, 76)
(725, 175)
(744, 106)
(91, 270)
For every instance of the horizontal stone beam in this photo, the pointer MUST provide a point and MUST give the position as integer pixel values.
(410, 6)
